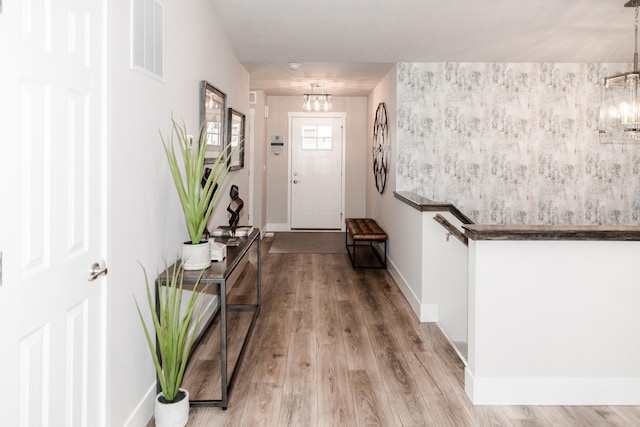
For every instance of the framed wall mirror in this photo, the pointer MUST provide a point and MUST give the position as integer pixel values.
(236, 139)
(213, 108)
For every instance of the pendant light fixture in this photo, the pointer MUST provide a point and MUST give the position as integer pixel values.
(620, 106)
(316, 101)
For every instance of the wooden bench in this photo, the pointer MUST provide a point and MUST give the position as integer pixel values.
(364, 232)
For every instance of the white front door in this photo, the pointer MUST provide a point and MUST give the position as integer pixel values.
(52, 220)
(316, 172)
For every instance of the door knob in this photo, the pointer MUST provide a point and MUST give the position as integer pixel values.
(97, 269)
(295, 181)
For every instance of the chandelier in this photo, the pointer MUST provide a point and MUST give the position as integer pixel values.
(316, 101)
(619, 106)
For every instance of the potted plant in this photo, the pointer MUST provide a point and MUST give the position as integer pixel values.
(197, 191)
(172, 328)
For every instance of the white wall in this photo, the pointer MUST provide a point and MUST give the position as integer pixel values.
(407, 269)
(259, 161)
(355, 153)
(379, 204)
(145, 221)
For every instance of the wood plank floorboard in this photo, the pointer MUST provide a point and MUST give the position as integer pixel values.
(406, 401)
(335, 406)
(334, 346)
(299, 399)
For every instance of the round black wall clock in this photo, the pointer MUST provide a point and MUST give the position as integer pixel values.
(380, 147)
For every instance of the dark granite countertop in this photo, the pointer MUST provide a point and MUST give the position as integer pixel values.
(426, 205)
(552, 232)
(522, 232)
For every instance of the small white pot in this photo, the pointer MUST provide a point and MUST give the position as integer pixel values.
(196, 257)
(174, 414)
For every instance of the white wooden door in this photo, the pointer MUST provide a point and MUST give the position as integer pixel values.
(316, 172)
(52, 219)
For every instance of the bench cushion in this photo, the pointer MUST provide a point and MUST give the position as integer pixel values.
(365, 229)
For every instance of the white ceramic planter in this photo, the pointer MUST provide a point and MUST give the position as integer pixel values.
(174, 414)
(196, 257)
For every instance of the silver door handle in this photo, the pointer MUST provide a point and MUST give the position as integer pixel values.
(295, 181)
(97, 270)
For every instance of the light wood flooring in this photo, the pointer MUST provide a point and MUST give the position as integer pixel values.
(338, 347)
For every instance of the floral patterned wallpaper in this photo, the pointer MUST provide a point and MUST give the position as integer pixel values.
(512, 143)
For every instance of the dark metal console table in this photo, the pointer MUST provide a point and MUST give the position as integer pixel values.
(218, 276)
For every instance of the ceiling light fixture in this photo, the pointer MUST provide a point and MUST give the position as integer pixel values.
(294, 65)
(314, 101)
(620, 106)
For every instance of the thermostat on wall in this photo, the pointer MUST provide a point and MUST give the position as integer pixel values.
(277, 145)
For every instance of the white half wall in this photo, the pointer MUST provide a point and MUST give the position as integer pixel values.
(405, 237)
(444, 276)
(554, 323)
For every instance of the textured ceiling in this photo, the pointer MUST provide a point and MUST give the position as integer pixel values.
(349, 45)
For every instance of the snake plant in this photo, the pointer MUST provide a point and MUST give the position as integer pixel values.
(197, 198)
(172, 328)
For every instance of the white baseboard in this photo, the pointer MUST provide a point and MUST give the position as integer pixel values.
(143, 412)
(462, 356)
(277, 227)
(552, 391)
(428, 313)
(425, 312)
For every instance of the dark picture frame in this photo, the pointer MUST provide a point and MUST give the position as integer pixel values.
(235, 139)
(213, 110)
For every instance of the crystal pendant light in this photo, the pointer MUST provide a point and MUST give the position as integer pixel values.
(619, 106)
